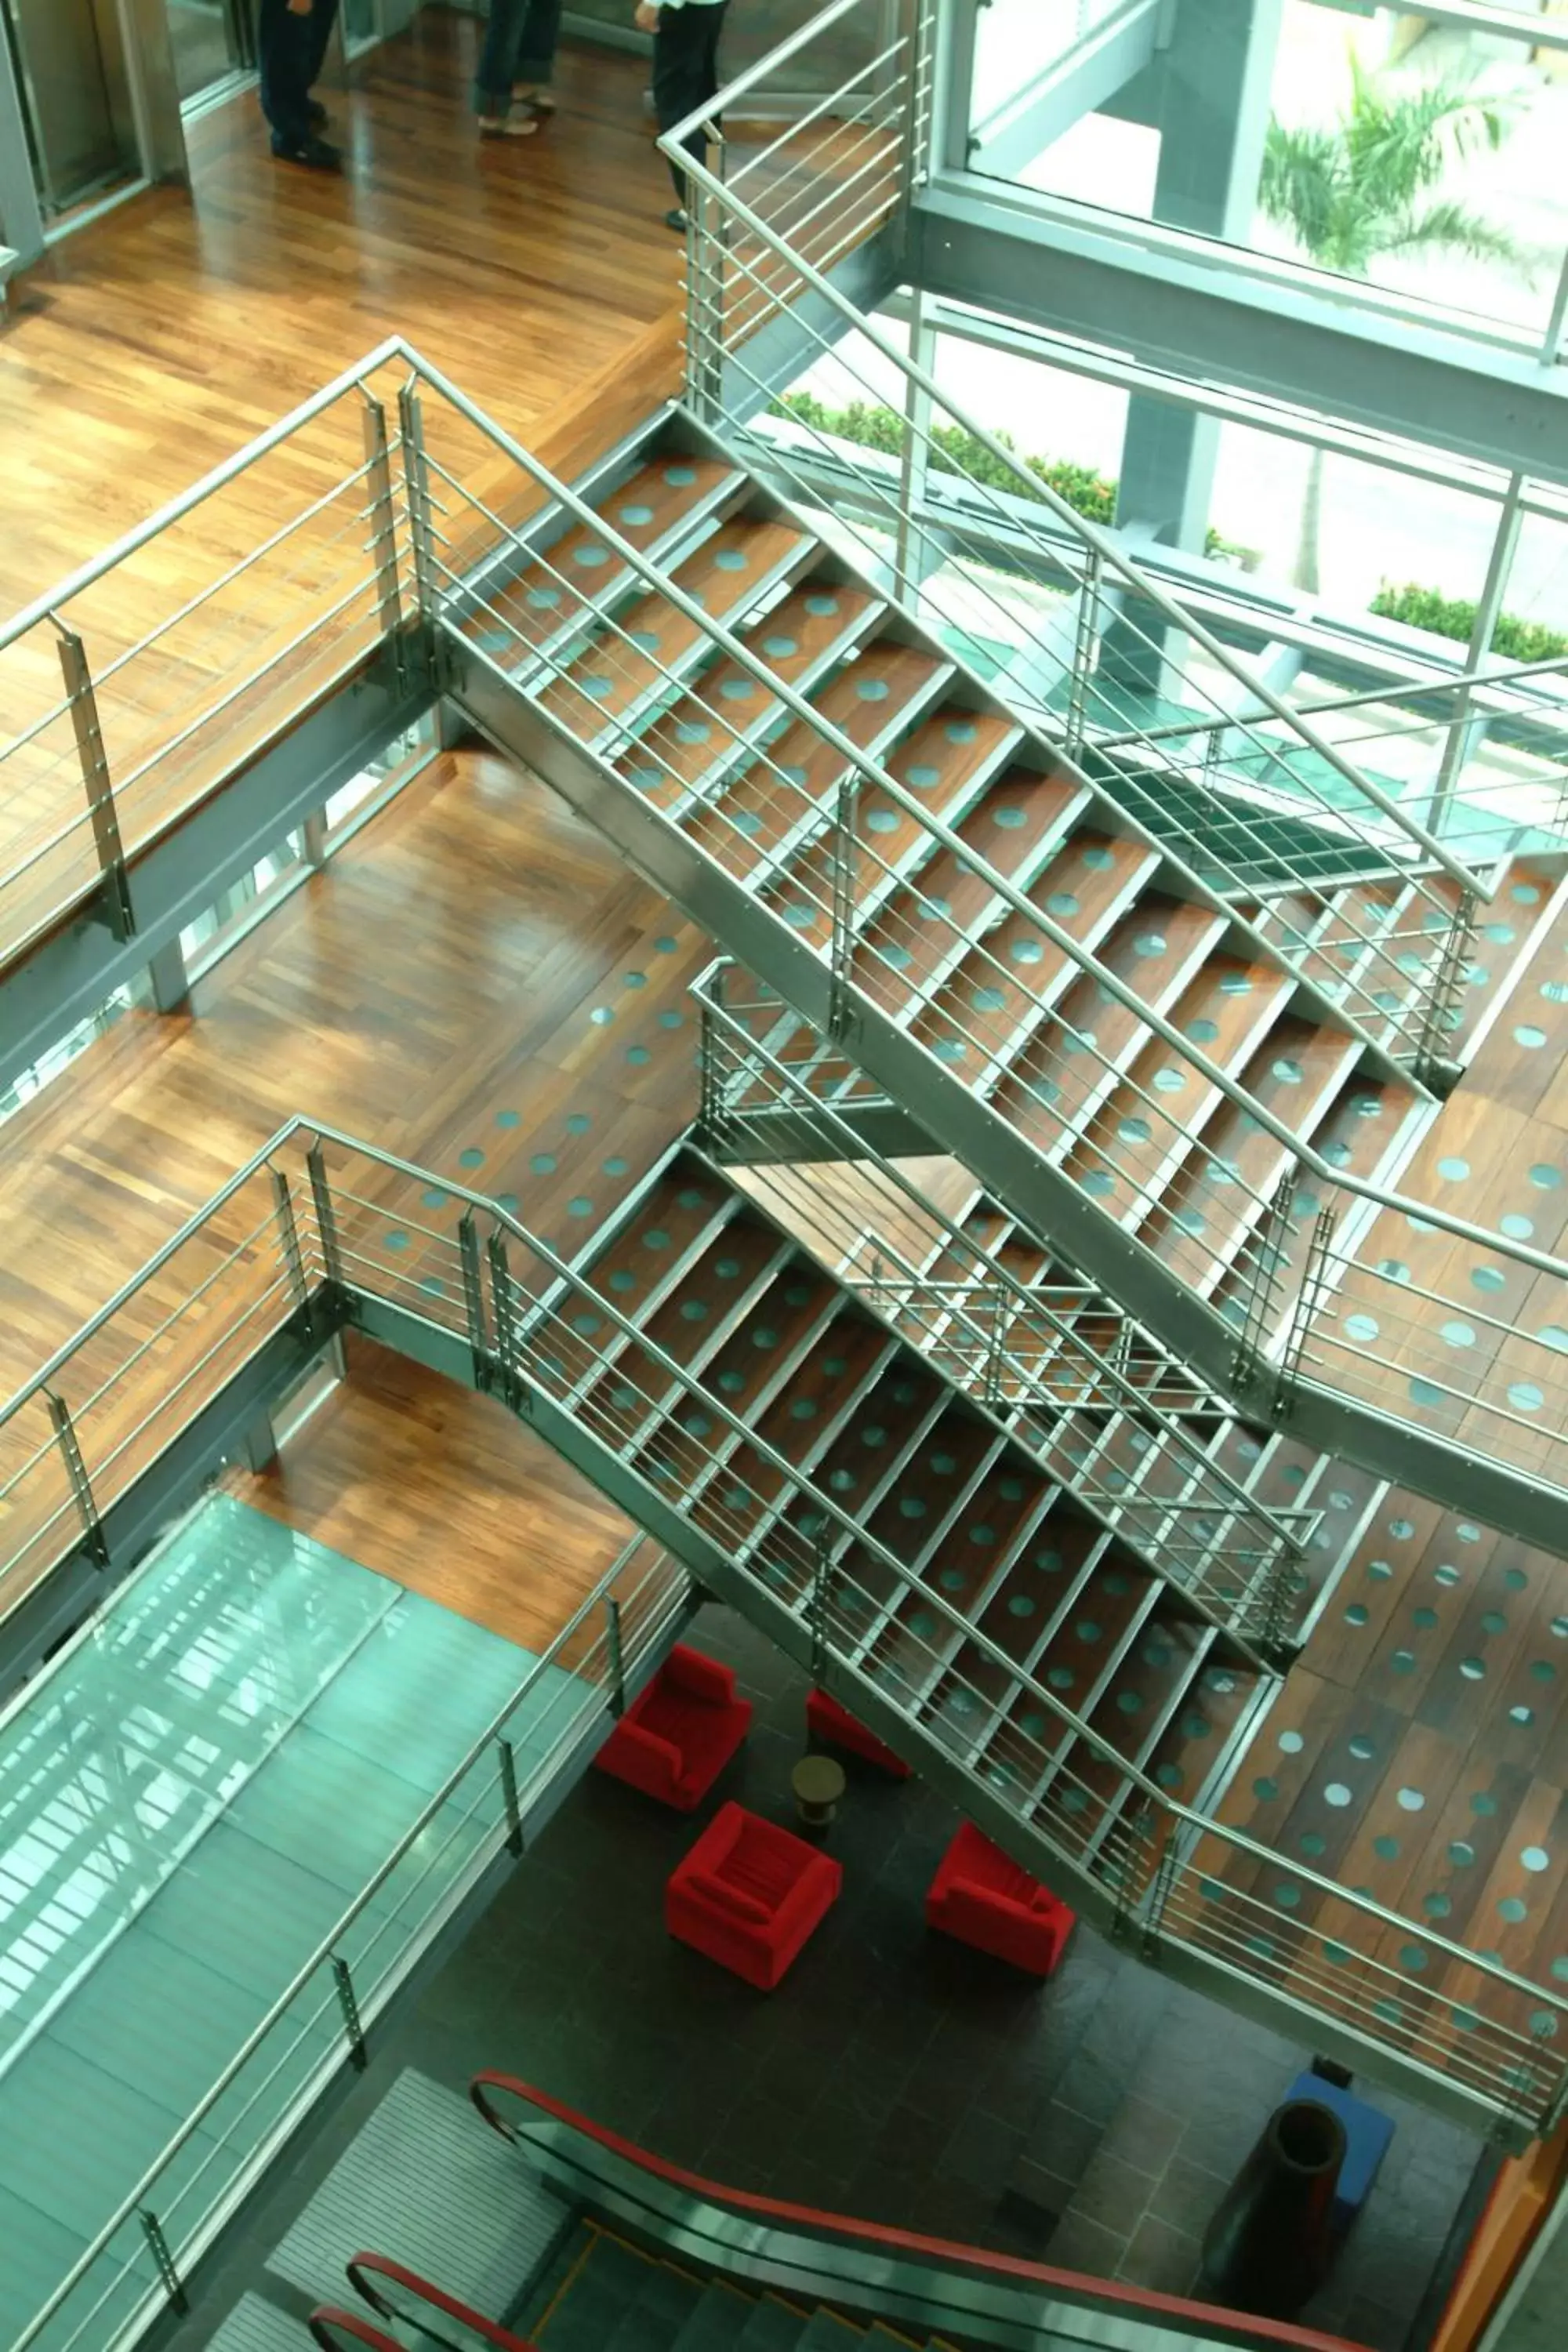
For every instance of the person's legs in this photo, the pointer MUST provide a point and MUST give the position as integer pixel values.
(537, 45)
(284, 52)
(498, 60)
(680, 54)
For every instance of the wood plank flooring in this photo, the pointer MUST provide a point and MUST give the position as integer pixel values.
(475, 983)
(445, 1491)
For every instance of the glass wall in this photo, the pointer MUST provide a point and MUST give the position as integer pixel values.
(1420, 156)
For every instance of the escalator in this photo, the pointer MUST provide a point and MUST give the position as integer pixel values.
(644, 2257)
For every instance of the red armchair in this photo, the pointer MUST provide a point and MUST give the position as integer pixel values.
(981, 1896)
(673, 1741)
(834, 1727)
(748, 1896)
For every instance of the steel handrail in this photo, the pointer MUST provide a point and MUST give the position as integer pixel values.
(131, 2205)
(780, 2212)
(1474, 682)
(1100, 542)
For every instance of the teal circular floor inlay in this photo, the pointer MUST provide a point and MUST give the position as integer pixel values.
(543, 1164)
(471, 1157)
(578, 1123)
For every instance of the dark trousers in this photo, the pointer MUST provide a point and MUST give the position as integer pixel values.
(519, 45)
(686, 73)
(290, 52)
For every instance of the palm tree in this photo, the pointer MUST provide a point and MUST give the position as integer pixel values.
(1364, 189)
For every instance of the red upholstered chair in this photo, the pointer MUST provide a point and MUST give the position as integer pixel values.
(981, 1896)
(673, 1741)
(836, 1728)
(748, 1896)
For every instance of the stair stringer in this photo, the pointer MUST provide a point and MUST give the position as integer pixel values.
(786, 1625)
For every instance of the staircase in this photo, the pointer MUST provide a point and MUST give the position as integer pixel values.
(1127, 1061)
(982, 1528)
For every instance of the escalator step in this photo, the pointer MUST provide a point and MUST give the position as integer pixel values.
(826, 2332)
(716, 2323)
(771, 2326)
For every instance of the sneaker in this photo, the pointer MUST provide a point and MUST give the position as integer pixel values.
(315, 154)
(678, 219)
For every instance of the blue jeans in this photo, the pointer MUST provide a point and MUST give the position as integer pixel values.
(290, 52)
(519, 45)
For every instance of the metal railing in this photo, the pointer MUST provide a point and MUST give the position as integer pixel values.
(139, 2259)
(1117, 655)
(387, 1234)
(1075, 1381)
(1199, 1171)
(1482, 757)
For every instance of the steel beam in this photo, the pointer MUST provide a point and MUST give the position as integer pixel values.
(1180, 302)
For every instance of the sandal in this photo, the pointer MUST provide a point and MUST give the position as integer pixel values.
(541, 102)
(510, 126)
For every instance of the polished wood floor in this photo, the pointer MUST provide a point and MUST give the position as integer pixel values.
(475, 983)
(443, 1490)
(157, 342)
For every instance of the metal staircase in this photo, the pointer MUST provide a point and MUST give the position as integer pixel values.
(1023, 973)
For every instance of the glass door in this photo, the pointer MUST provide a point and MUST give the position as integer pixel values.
(213, 41)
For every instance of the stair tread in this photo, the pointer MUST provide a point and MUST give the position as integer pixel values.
(611, 675)
(727, 706)
(543, 600)
(761, 811)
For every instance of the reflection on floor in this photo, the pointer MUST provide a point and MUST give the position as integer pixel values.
(895, 2076)
(190, 1797)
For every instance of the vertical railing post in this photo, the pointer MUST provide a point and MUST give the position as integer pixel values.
(289, 1241)
(503, 1306)
(474, 1300)
(169, 2278)
(348, 2001)
(508, 1796)
(995, 1351)
(818, 1601)
(326, 1216)
(382, 515)
(1159, 1892)
(1269, 1242)
(1086, 635)
(80, 1483)
(846, 880)
(416, 490)
(1442, 995)
(93, 761)
(914, 462)
(614, 1655)
(1308, 1298)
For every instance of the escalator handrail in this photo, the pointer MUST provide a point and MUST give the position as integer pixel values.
(364, 2268)
(330, 2316)
(1011, 2269)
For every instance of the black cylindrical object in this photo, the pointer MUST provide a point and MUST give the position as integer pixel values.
(1270, 2242)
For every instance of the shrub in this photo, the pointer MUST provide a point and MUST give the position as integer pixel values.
(955, 451)
(1455, 616)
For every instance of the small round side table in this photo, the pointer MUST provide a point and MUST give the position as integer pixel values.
(818, 1785)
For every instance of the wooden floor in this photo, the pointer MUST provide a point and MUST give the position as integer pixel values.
(443, 1490)
(157, 342)
(475, 983)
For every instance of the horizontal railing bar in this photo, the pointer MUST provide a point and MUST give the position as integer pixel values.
(219, 478)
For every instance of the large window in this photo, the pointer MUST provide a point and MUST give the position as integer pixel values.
(1423, 157)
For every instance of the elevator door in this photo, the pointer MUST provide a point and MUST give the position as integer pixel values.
(212, 40)
(76, 96)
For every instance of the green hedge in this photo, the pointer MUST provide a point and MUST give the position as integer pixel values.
(1455, 616)
(957, 452)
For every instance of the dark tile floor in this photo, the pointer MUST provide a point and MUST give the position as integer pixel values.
(1094, 2122)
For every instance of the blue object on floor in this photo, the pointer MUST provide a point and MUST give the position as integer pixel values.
(1368, 2132)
